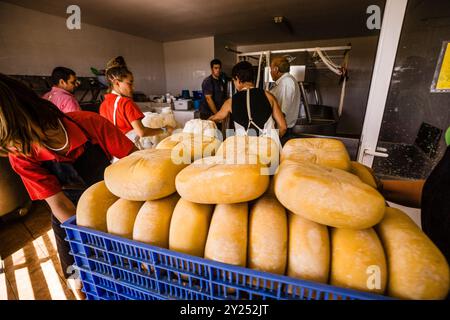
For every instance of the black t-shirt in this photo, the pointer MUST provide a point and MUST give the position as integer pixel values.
(215, 88)
(436, 205)
(260, 108)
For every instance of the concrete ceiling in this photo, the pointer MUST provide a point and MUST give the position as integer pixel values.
(241, 22)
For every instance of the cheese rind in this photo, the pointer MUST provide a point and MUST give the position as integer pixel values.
(268, 235)
(93, 206)
(364, 173)
(309, 250)
(121, 216)
(153, 221)
(321, 151)
(189, 227)
(358, 260)
(143, 175)
(228, 234)
(328, 196)
(417, 268)
(213, 180)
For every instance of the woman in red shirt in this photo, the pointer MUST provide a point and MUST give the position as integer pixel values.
(57, 155)
(119, 107)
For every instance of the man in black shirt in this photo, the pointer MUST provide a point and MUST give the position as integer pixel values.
(214, 91)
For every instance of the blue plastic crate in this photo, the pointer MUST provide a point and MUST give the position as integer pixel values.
(115, 268)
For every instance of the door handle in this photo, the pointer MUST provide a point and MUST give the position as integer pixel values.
(376, 153)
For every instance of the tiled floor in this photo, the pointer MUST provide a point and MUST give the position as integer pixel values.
(30, 268)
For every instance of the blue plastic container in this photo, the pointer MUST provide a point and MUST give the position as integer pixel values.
(114, 268)
(197, 104)
(185, 94)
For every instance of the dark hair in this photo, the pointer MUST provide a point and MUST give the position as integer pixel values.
(243, 71)
(22, 111)
(116, 69)
(214, 62)
(61, 73)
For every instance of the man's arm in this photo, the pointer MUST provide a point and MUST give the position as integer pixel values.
(142, 131)
(403, 192)
(277, 114)
(61, 206)
(223, 113)
(211, 104)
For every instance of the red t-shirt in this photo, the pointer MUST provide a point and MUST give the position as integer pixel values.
(39, 183)
(127, 112)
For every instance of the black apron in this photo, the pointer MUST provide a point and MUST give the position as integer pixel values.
(436, 205)
(75, 178)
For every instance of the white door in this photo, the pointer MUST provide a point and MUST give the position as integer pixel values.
(391, 28)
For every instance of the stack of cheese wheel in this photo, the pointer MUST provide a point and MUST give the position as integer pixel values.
(341, 232)
(319, 219)
(136, 200)
(187, 147)
(215, 191)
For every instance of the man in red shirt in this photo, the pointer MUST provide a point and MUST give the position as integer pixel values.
(57, 155)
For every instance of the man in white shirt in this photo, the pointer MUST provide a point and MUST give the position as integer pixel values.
(286, 90)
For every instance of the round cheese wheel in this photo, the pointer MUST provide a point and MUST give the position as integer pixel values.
(121, 216)
(309, 250)
(357, 260)
(143, 175)
(153, 120)
(153, 221)
(364, 173)
(189, 227)
(267, 241)
(328, 196)
(188, 147)
(417, 268)
(227, 235)
(322, 151)
(201, 127)
(215, 180)
(93, 206)
(249, 149)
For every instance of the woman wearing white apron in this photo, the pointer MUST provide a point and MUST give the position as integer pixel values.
(119, 107)
(253, 111)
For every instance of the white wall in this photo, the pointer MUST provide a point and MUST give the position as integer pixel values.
(187, 63)
(33, 43)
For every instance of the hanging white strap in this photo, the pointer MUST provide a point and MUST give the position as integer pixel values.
(116, 103)
(249, 113)
(259, 70)
(340, 71)
(341, 102)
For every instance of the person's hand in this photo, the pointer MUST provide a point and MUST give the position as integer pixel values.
(170, 130)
